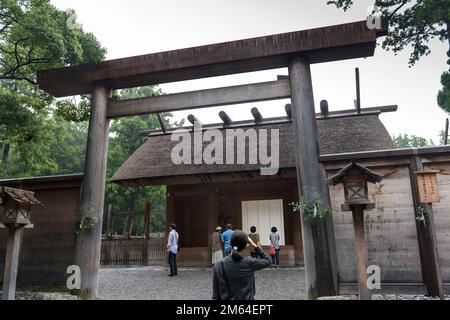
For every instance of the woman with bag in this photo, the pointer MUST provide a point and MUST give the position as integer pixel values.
(234, 276)
(274, 250)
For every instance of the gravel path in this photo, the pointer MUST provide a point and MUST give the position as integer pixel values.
(152, 283)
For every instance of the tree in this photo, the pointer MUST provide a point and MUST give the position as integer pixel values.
(36, 35)
(57, 147)
(404, 141)
(415, 23)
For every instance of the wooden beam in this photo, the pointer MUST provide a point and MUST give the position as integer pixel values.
(209, 126)
(200, 99)
(393, 153)
(332, 43)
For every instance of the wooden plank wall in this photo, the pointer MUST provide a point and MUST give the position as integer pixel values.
(390, 229)
(47, 249)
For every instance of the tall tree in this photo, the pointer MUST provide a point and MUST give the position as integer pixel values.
(415, 23)
(36, 35)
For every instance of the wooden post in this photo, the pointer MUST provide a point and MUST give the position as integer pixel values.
(126, 227)
(361, 250)
(13, 244)
(88, 245)
(358, 91)
(429, 260)
(130, 227)
(109, 221)
(317, 246)
(147, 220)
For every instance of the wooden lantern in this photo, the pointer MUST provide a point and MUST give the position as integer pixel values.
(16, 206)
(15, 216)
(355, 178)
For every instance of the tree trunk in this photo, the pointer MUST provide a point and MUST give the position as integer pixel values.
(6, 149)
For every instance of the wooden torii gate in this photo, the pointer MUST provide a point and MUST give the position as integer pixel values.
(295, 50)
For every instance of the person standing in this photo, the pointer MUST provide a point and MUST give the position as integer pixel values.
(226, 237)
(172, 249)
(254, 236)
(274, 238)
(217, 253)
(234, 276)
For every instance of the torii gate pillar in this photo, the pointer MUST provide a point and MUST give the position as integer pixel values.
(319, 248)
(88, 246)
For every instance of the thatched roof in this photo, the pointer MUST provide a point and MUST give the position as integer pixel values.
(151, 163)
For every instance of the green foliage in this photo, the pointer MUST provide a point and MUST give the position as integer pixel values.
(413, 23)
(312, 210)
(57, 147)
(443, 98)
(404, 141)
(87, 222)
(34, 35)
(442, 137)
(422, 213)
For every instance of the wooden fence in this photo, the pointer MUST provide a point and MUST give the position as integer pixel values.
(133, 252)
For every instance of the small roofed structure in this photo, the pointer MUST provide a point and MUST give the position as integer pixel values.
(17, 203)
(353, 167)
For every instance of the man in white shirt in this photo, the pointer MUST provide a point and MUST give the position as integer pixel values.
(172, 249)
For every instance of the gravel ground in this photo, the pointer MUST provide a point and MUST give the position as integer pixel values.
(152, 283)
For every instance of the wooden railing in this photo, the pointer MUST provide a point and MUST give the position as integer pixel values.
(133, 252)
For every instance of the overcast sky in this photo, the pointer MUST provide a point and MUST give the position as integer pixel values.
(134, 27)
